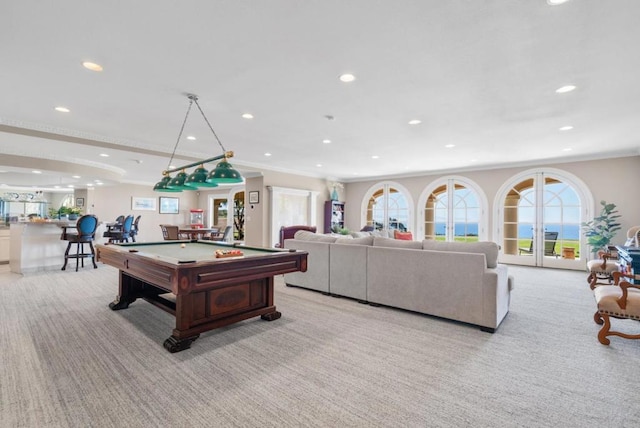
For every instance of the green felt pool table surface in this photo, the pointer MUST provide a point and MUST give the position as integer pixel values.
(193, 251)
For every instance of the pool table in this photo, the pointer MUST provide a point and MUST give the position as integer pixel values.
(203, 292)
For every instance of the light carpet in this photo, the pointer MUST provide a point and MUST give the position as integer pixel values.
(67, 360)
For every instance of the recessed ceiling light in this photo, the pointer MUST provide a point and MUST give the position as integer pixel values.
(104, 155)
(448, 146)
(92, 66)
(566, 128)
(191, 137)
(56, 187)
(90, 184)
(375, 157)
(75, 176)
(556, 2)
(566, 88)
(319, 165)
(414, 122)
(36, 172)
(267, 154)
(568, 149)
(347, 77)
(247, 116)
(62, 109)
(99, 184)
(326, 141)
(70, 185)
(474, 160)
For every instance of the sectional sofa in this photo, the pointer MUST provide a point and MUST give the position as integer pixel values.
(453, 280)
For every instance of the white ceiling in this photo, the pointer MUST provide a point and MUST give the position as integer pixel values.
(479, 74)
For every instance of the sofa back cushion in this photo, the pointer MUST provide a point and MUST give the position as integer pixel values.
(360, 234)
(490, 249)
(383, 233)
(396, 243)
(366, 240)
(304, 235)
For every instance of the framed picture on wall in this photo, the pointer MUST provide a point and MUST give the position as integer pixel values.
(254, 197)
(143, 204)
(80, 202)
(169, 205)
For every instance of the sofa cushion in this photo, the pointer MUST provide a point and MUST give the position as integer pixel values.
(367, 240)
(304, 235)
(490, 249)
(405, 236)
(396, 243)
(360, 234)
(383, 233)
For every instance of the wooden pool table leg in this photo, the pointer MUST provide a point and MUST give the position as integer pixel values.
(174, 344)
(271, 316)
(128, 292)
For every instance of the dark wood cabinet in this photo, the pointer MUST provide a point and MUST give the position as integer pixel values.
(333, 216)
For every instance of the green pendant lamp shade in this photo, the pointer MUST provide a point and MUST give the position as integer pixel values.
(178, 182)
(224, 173)
(198, 178)
(162, 185)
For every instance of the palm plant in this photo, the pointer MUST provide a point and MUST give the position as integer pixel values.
(601, 230)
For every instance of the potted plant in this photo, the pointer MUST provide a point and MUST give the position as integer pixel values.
(71, 213)
(601, 230)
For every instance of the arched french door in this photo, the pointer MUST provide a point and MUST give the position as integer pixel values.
(226, 208)
(453, 209)
(539, 219)
(388, 206)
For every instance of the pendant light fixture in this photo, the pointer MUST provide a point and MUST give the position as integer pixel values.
(223, 173)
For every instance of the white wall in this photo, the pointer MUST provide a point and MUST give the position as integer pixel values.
(109, 202)
(613, 180)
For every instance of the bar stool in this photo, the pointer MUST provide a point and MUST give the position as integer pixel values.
(86, 232)
(135, 228)
(124, 233)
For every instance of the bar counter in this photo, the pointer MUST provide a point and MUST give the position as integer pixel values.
(36, 246)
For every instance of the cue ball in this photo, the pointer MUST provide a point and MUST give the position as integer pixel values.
(183, 245)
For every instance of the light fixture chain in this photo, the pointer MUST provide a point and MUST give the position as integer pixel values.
(210, 127)
(181, 131)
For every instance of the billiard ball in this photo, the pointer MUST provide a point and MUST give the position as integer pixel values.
(183, 245)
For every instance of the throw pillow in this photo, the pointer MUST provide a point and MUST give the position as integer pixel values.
(405, 236)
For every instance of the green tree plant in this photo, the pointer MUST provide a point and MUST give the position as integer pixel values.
(601, 230)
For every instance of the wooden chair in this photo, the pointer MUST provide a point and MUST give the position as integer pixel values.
(170, 232)
(620, 301)
(85, 234)
(601, 269)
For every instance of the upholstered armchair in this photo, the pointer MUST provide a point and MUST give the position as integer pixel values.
(288, 232)
(622, 301)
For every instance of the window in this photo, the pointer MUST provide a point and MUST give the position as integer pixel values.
(388, 206)
(539, 219)
(454, 210)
